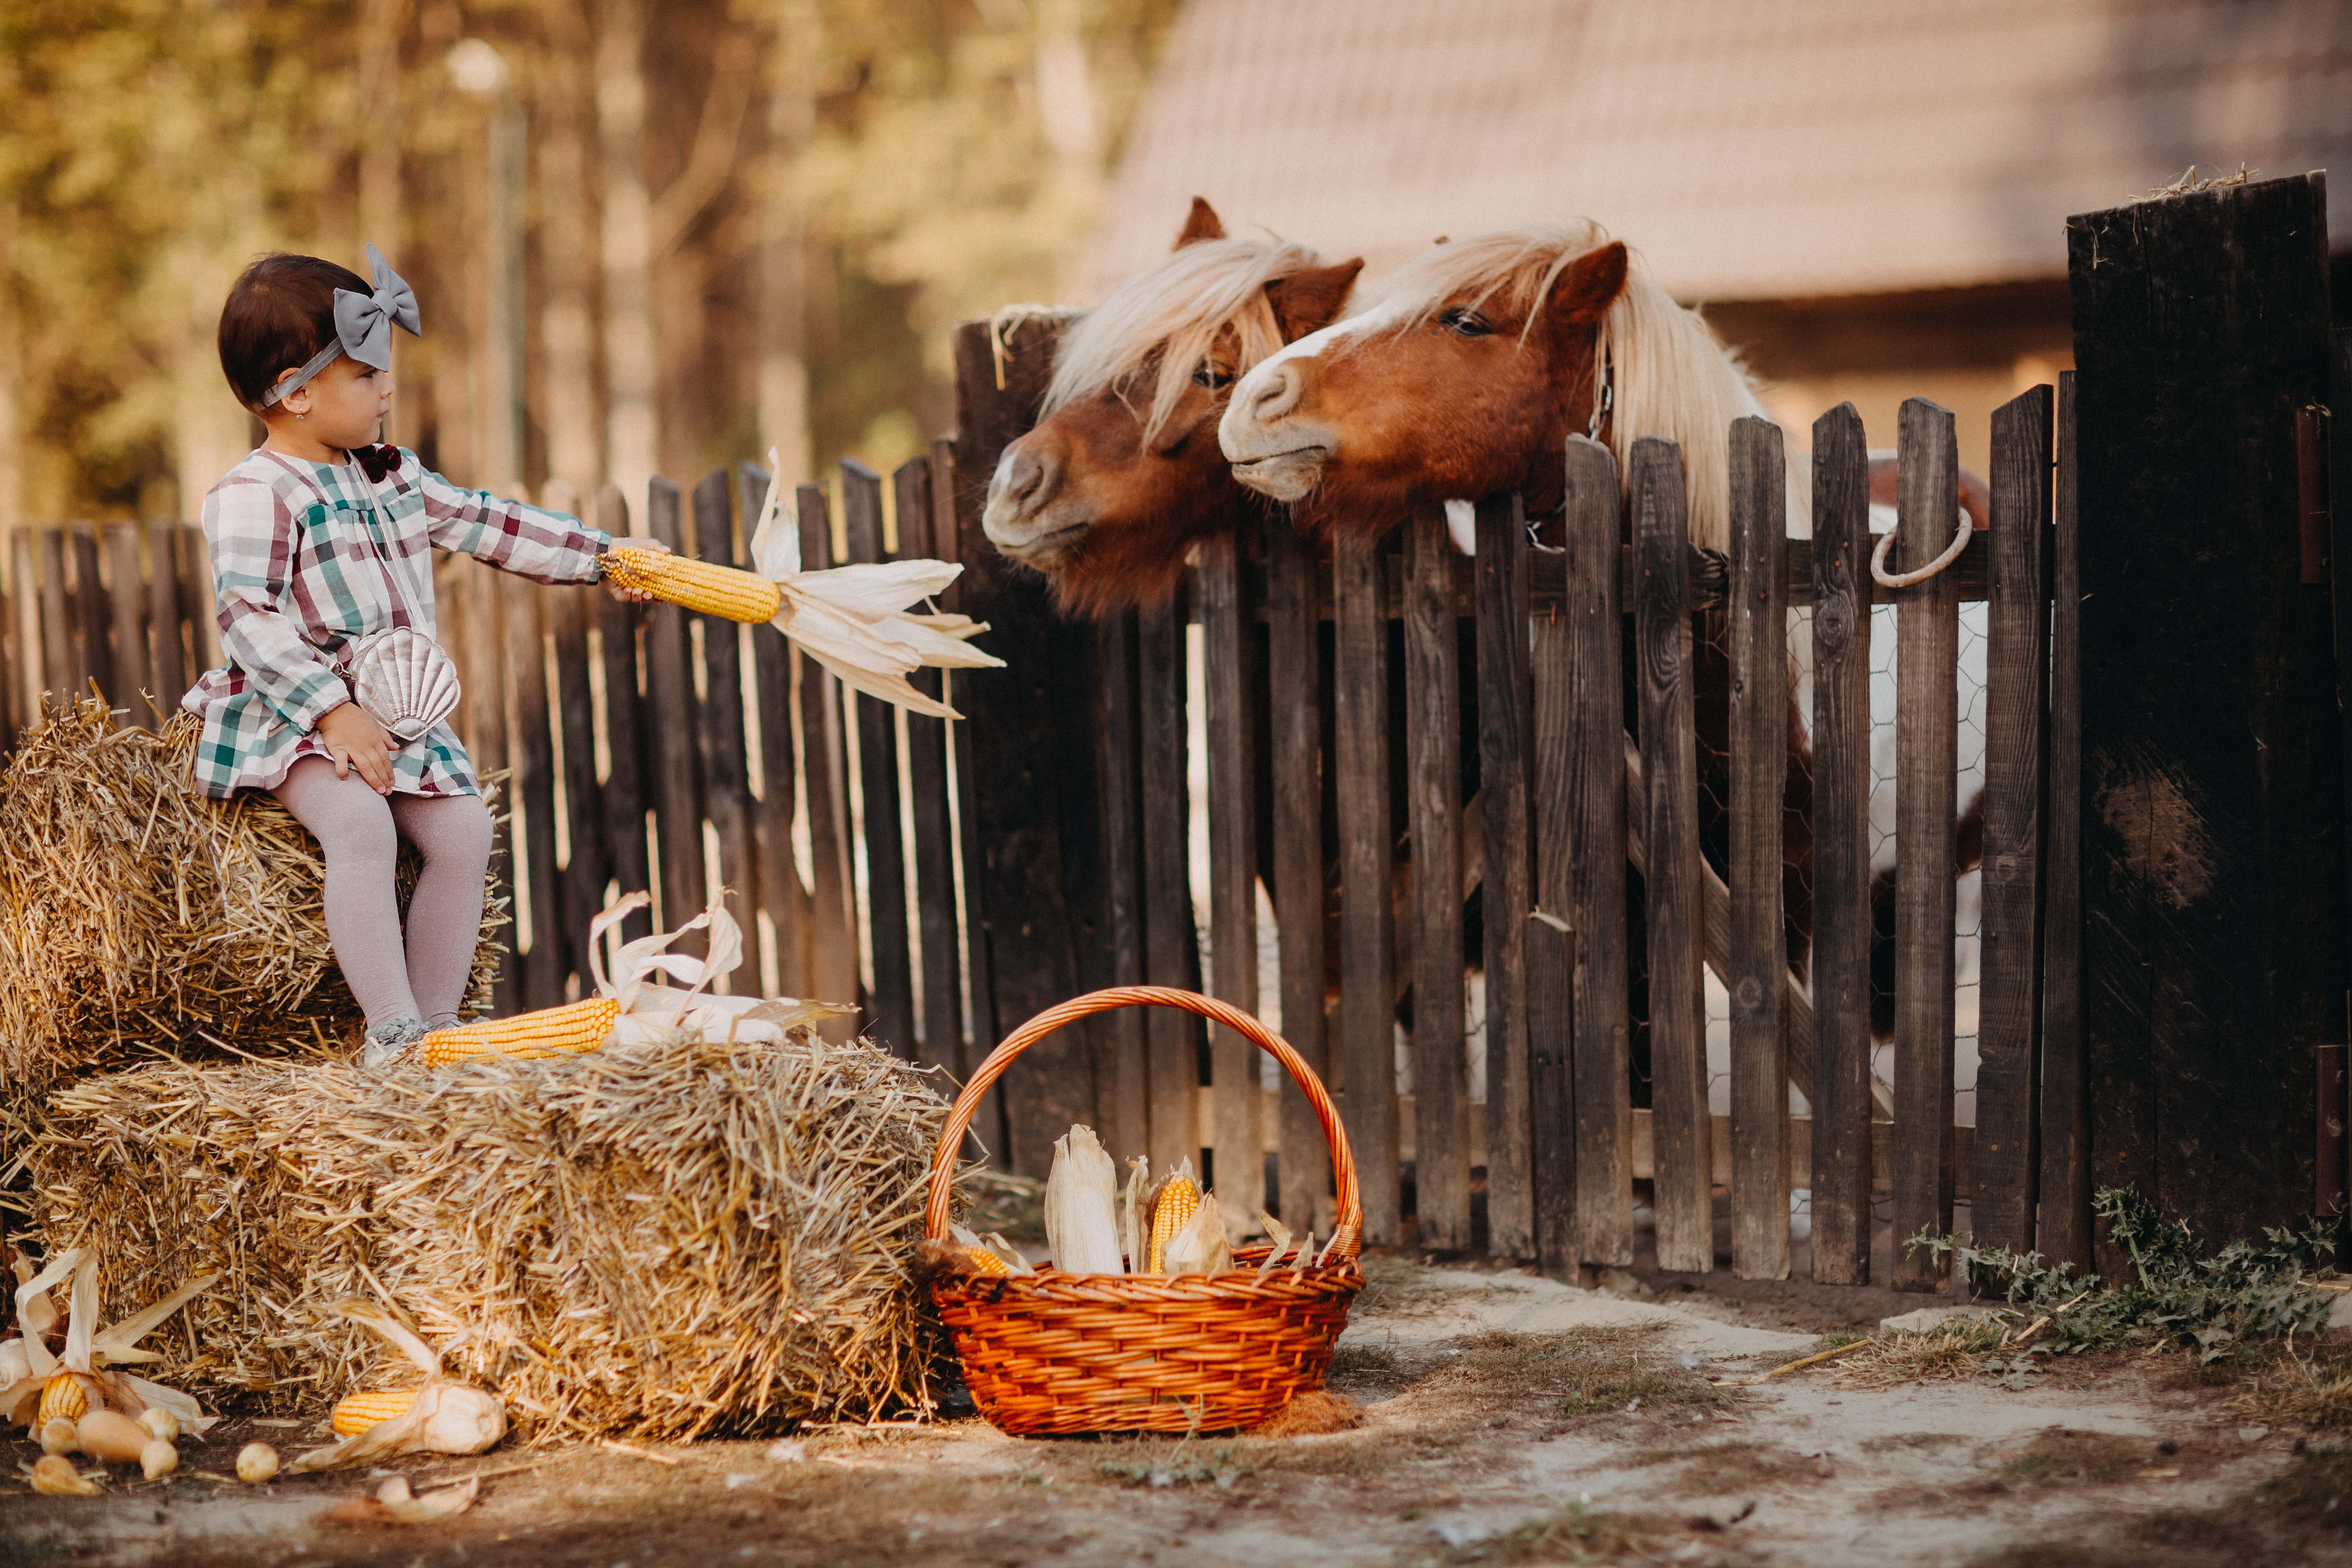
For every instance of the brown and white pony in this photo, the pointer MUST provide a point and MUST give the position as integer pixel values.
(1465, 376)
(1121, 474)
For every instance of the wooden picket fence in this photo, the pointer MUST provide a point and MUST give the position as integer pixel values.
(954, 879)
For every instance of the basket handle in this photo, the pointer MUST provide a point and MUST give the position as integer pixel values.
(1346, 1241)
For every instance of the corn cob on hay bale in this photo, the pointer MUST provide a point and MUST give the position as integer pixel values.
(654, 1240)
(144, 918)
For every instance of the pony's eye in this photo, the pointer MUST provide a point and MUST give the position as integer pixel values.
(1215, 377)
(1465, 321)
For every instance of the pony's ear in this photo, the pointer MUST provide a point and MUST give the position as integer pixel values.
(1308, 301)
(1590, 286)
(1202, 223)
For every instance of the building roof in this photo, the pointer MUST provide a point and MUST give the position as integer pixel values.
(1749, 149)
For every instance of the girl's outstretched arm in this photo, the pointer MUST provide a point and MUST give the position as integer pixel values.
(251, 533)
(544, 546)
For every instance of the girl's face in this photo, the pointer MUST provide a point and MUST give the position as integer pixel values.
(342, 407)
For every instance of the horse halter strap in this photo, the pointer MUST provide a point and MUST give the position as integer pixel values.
(1607, 398)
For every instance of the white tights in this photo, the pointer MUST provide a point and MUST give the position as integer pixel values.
(361, 830)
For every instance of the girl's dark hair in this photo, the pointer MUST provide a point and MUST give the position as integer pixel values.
(281, 312)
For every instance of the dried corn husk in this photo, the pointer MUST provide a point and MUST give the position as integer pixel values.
(1081, 1205)
(1279, 1234)
(444, 1418)
(1134, 1214)
(88, 1348)
(654, 1013)
(854, 620)
(1200, 1246)
(13, 1366)
(257, 1463)
(55, 1476)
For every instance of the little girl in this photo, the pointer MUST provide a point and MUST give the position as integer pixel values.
(319, 538)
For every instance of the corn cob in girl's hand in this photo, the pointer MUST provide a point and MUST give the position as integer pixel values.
(854, 620)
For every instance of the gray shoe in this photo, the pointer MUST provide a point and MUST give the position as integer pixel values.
(390, 1040)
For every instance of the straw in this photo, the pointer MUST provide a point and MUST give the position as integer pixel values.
(659, 1241)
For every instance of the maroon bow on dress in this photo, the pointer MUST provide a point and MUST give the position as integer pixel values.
(377, 462)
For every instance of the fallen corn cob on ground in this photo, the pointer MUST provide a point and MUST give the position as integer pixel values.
(551, 1031)
(61, 1399)
(700, 585)
(355, 1413)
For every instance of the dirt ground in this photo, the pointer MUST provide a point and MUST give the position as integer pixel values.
(1505, 1419)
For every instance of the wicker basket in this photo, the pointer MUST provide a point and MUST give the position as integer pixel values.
(1064, 1353)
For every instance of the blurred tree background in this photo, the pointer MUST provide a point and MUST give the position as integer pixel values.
(749, 222)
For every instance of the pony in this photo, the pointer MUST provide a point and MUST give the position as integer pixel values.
(1465, 376)
(1122, 473)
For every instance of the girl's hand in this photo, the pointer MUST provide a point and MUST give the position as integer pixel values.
(636, 541)
(354, 740)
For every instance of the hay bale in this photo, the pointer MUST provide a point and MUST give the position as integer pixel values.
(661, 1241)
(144, 918)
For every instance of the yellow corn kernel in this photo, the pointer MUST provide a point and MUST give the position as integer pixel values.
(551, 1031)
(1180, 1199)
(355, 1413)
(62, 1399)
(701, 585)
(982, 1261)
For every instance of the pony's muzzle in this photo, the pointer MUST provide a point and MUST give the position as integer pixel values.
(1269, 393)
(1027, 479)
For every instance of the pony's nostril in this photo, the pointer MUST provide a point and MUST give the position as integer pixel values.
(1278, 394)
(1030, 478)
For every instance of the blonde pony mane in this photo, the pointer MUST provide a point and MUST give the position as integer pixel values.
(1672, 378)
(1175, 313)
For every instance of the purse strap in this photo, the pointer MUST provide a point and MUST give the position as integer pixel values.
(379, 518)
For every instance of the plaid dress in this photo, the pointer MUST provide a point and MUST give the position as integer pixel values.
(301, 556)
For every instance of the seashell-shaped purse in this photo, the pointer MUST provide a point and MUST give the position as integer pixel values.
(404, 679)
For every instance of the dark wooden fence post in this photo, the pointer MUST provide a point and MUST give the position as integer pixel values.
(626, 789)
(2212, 812)
(2009, 1029)
(1581, 870)
(1295, 687)
(719, 730)
(1504, 718)
(1927, 721)
(1441, 1170)
(1367, 1023)
(539, 973)
(168, 674)
(1228, 643)
(2063, 1231)
(1759, 766)
(921, 518)
(832, 917)
(1033, 794)
(892, 1003)
(1682, 1132)
(1842, 915)
(670, 714)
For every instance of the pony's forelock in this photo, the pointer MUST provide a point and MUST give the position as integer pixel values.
(1173, 314)
(1674, 378)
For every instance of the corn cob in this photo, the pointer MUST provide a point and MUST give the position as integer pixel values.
(703, 585)
(355, 1413)
(1179, 1200)
(551, 1031)
(61, 1399)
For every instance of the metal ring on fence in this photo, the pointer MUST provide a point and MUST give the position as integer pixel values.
(1885, 579)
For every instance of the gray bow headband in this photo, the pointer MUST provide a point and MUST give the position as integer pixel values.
(364, 324)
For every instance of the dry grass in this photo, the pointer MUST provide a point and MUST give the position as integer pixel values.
(145, 918)
(664, 1241)
(1959, 1349)
(1577, 1534)
(1586, 1372)
(1719, 1469)
(2313, 1391)
(2061, 1457)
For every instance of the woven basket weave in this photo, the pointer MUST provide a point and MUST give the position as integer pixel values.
(1050, 1352)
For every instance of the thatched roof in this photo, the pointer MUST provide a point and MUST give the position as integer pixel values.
(1752, 150)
